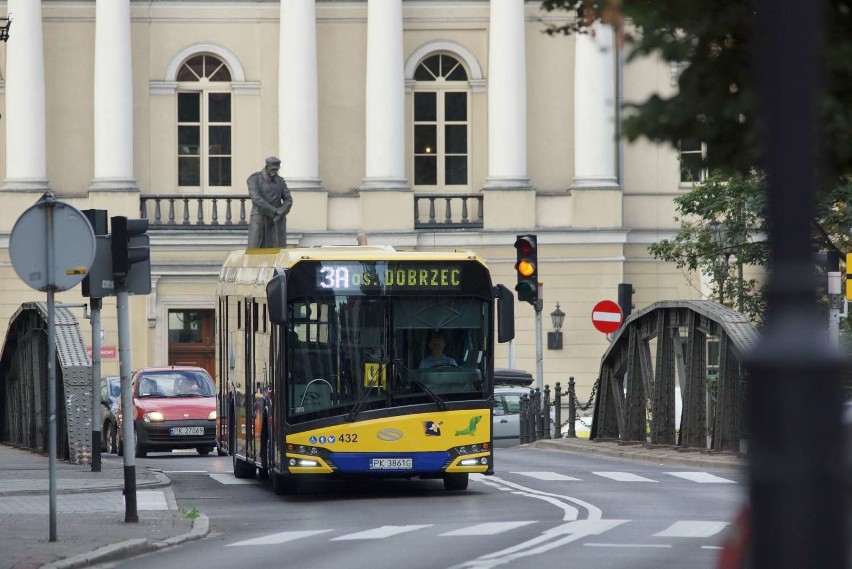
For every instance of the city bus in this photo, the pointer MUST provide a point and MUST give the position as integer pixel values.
(319, 364)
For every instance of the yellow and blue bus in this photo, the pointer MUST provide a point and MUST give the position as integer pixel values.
(319, 363)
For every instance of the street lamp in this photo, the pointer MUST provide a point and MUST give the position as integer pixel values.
(4, 28)
(718, 237)
(554, 339)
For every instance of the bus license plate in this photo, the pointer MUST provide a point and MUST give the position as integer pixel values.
(391, 464)
(183, 431)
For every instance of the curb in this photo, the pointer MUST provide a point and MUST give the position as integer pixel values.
(131, 547)
(161, 481)
(638, 452)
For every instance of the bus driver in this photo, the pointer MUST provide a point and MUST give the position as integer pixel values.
(436, 356)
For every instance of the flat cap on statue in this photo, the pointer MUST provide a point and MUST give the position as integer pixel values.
(273, 161)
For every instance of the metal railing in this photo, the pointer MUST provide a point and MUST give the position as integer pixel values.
(178, 211)
(448, 211)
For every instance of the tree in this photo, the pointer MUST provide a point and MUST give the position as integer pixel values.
(736, 205)
(710, 42)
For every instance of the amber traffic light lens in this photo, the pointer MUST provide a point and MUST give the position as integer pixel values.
(526, 268)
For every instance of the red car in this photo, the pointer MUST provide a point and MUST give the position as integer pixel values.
(174, 408)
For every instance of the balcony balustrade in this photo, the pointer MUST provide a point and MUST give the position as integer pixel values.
(194, 211)
(435, 211)
(432, 212)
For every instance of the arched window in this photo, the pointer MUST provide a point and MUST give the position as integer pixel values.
(441, 129)
(204, 122)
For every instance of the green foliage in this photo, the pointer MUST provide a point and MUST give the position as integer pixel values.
(737, 204)
(191, 513)
(711, 41)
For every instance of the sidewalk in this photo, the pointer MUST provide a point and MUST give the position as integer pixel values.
(90, 526)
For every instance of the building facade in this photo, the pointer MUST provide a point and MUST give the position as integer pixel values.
(425, 124)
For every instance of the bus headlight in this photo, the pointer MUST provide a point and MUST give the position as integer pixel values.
(153, 417)
(212, 416)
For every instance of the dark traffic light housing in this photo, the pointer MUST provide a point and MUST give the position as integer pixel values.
(526, 267)
(625, 299)
(131, 265)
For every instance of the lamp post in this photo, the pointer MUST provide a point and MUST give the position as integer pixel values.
(554, 339)
(5, 25)
(718, 237)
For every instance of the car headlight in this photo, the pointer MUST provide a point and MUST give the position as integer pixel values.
(212, 416)
(153, 417)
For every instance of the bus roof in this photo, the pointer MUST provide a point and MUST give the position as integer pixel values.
(247, 271)
(286, 258)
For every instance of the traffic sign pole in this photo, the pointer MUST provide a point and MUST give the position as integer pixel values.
(49, 265)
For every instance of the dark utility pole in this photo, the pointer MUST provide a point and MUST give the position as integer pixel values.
(795, 458)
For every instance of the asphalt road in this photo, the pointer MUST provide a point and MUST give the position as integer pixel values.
(541, 509)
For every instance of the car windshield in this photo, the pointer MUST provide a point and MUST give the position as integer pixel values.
(176, 383)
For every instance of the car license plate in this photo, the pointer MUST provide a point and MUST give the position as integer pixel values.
(391, 464)
(183, 431)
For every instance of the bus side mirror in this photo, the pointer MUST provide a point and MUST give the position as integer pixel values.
(276, 296)
(505, 313)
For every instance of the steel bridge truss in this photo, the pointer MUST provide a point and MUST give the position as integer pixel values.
(662, 351)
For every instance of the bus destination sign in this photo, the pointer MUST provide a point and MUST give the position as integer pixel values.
(382, 276)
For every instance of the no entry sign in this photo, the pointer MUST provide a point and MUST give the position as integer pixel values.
(606, 316)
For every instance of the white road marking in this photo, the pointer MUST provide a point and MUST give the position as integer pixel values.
(623, 476)
(380, 533)
(184, 471)
(692, 529)
(151, 500)
(550, 539)
(553, 476)
(490, 528)
(570, 512)
(657, 545)
(702, 477)
(229, 479)
(276, 538)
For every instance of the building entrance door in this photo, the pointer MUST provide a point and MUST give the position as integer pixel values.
(191, 339)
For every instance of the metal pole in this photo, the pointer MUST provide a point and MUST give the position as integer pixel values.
(795, 458)
(127, 411)
(834, 297)
(96, 384)
(539, 354)
(51, 371)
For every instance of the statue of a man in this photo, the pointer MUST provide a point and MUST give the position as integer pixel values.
(270, 203)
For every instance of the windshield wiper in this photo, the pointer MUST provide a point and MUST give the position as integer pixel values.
(413, 378)
(356, 408)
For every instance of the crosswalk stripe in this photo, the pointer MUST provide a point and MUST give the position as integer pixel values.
(552, 476)
(692, 529)
(702, 477)
(229, 479)
(277, 538)
(489, 528)
(380, 533)
(623, 476)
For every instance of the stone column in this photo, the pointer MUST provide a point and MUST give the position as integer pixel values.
(113, 98)
(298, 115)
(508, 182)
(297, 95)
(385, 188)
(26, 162)
(595, 202)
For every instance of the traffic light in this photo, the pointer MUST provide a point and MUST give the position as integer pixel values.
(527, 268)
(848, 276)
(131, 265)
(102, 265)
(625, 299)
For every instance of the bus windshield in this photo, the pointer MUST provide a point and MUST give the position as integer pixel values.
(347, 354)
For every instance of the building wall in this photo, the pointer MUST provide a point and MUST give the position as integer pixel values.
(590, 241)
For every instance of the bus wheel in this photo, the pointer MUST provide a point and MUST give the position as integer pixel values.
(243, 469)
(282, 485)
(455, 481)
